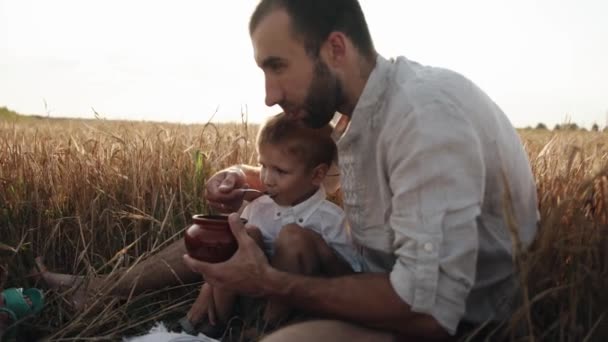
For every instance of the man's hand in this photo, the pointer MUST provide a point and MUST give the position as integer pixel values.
(245, 272)
(222, 189)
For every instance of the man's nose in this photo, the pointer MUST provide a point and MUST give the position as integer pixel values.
(274, 94)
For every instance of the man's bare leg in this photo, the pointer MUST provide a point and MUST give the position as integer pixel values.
(163, 269)
(326, 330)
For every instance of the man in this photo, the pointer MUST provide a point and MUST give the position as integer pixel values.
(430, 169)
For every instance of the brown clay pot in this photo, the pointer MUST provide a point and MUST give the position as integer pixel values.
(210, 239)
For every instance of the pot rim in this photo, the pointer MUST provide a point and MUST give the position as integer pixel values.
(210, 217)
(219, 218)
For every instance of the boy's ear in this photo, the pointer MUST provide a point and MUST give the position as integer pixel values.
(318, 174)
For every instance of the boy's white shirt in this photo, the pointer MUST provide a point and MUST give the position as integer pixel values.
(316, 213)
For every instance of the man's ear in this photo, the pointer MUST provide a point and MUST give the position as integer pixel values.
(334, 48)
(318, 174)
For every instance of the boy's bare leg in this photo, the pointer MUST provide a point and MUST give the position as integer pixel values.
(163, 269)
(224, 300)
(200, 307)
(224, 304)
(300, 250)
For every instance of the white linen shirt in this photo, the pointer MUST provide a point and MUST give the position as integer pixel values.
(316, 213)
(424, 161)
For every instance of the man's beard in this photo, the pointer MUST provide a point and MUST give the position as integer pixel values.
(323, 98)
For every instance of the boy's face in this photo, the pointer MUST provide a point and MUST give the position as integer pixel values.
(288, 180)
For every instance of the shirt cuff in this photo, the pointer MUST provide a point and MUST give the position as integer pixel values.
(434, 284)
(446, 308)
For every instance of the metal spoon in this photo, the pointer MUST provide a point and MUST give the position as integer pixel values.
(251, 194)
(252, 191)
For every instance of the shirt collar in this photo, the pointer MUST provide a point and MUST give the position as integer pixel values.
(301, 211)
(369, 101)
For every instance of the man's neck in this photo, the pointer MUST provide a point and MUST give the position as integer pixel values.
(355, 83)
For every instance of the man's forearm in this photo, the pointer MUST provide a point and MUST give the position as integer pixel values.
(367, 298)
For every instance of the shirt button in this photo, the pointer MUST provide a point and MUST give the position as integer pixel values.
(278, 214)
(301, 220)
(428, 247)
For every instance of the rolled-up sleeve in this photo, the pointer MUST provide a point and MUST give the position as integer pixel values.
(437, 184)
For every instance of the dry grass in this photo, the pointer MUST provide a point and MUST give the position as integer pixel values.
(94, 196)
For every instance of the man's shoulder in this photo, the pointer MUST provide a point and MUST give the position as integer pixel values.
(422, 97)
(411, 74)
(416, 85)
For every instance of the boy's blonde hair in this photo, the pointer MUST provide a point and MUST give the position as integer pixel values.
(312, 146)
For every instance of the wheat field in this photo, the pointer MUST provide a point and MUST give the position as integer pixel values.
(92, 196)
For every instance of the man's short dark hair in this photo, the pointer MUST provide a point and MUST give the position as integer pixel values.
(314, 20)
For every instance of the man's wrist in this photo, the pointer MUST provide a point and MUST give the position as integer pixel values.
(276, 284)
(236, 168)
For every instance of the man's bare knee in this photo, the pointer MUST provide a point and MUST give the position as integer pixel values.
(326, 330)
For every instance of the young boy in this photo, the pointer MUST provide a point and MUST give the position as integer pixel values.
(294, 161)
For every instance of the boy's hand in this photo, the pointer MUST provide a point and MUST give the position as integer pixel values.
(221, 189)
(245, 272)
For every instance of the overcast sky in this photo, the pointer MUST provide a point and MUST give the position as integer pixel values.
(179, 60)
